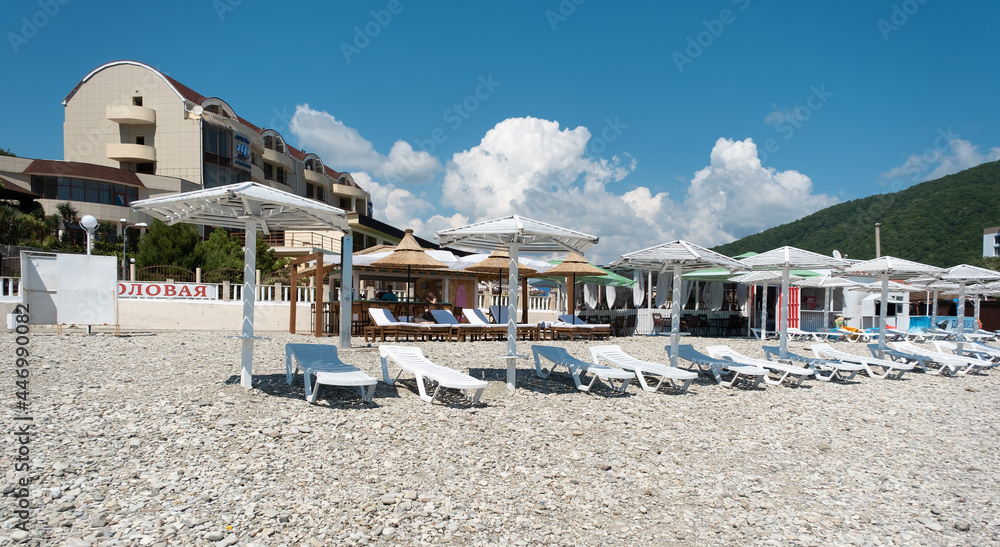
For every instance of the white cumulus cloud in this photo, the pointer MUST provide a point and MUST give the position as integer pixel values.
(940, 160)
(344, 149)
(534, 168)
(537, 169)
(403, 209)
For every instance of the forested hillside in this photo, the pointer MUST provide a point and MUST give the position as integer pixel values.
(939, 222)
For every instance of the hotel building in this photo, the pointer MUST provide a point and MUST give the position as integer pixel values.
(131, 132)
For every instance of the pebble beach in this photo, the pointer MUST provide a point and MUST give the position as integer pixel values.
(148, 439)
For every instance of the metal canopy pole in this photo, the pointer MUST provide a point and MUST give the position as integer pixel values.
(346, 289)
(763, 313)
(784, 316)
(512, 248)
(826, 309)
(249, 293)
(960, 328)
(882, 313)
(675, 320)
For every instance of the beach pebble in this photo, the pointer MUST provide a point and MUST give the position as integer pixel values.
(182, 455)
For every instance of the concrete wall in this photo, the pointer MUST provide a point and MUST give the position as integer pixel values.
(179, 315)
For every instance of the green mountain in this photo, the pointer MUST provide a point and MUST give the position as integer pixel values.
(939, 222)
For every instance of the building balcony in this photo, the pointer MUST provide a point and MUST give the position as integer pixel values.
(345, 191)
(277, 158)
(316, 177)
(256, 174)
(136, 153)
(131, 115)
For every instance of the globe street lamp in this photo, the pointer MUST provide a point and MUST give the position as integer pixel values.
(125, 228)
(89, 223)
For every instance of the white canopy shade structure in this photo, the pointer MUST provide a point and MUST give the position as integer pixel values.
(963, 274)
(677, 256)
(929, 284)
(786, 259)
(889, 266)
(765, 277)
(250, 206)
(827, 282)
(516, 234)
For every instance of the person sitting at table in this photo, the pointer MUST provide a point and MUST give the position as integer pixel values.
(427, 316)
(388, 295)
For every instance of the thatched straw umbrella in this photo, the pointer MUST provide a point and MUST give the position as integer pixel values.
(573, 265)
(409, 253)
(499, 262)
(375, 249)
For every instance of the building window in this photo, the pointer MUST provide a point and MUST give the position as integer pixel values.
(147, 168)
(136, 101)
(140, 140)
(217, 144)
(83, 190)
(274, 143)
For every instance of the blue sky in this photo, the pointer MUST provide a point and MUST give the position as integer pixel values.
(635, 121)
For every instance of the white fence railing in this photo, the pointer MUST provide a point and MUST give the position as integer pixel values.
(10, 289)
(535, 303)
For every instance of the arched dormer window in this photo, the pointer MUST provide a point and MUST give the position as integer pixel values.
(314, 164)
(216, 105)
(274, 142)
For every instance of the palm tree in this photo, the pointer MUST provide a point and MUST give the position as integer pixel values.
(69, 215)
(8, 220)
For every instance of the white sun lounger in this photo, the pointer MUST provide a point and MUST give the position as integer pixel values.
(460, 331)
(791, 373)
(949, 362)
(579, 368)
(678, 378)
(977, 349)
(412, 360)
(835, 370)
(322, 362)
(818, 336)
(386, 323)
(718, 367)
(951, 334)
(890, 369)
(526, 331)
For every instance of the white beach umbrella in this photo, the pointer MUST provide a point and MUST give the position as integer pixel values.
(787, 259)
(963, 274)
(889, 266)
(516, 234)
(676, 256)
(250, 206)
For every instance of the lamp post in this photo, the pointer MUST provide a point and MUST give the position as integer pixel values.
(125, 228)
(89, 223)
(878, 240)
